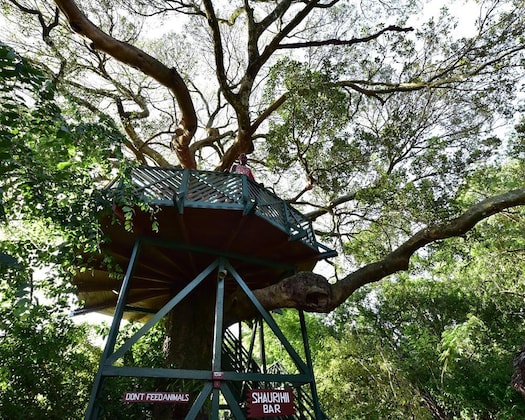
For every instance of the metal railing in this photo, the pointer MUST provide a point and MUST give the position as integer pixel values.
(212, 189)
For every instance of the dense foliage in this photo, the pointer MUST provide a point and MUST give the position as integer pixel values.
(443, 340)
(46, 361)
(439, 343)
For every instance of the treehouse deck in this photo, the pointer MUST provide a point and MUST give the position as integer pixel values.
(204, 234)
(196, 217)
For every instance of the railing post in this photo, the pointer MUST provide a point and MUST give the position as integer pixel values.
(179, 197)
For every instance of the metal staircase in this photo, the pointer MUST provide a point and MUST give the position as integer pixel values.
(237, 357)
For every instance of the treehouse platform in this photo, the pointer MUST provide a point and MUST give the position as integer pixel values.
(192, 218)
(185, 237)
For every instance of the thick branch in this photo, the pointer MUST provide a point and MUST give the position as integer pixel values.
(256, 65)
(374, 89)
(312, 292)
(256, 60)
(46, 29)
(210, 140)
(268, 111)
(345, 42)
(398, 260)
(218, 51)
(518, 377)
(135, 57)
(330, 207)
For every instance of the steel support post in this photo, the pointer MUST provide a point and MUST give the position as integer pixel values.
(93, 409)
(216, 381)
(216, 365)
(308, 356)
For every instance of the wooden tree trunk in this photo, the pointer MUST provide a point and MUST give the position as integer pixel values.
(518, 377)
(188, 345)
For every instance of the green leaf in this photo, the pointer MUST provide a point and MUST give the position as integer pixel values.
(63, 165)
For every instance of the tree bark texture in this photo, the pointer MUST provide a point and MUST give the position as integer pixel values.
(188, 345)
(518, 377)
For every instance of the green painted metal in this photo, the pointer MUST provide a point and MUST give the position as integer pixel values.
(269, 320)
(140, 372)
(92, 409)
(219, 309)
(217, 252)
(232, 371)
(161, 313)
(215, 404)
(185, 188)
(204, 375)
(121, 301)
(308, 356)
(223, 267)
(199, 401)
(233, 404)
(262, 346)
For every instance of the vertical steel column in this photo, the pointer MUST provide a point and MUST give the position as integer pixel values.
(217, 383)
(218, 342)
(308, 356)
(262, 345)
(92, 411)
(216, 365)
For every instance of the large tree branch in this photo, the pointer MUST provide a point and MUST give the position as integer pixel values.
(213, 23)
(135, 57)
(312, 292)
(46, 28)
(256, 60)
(345, 42)
(452, 76)
(330, 207)
(268, 111)
(268, 51)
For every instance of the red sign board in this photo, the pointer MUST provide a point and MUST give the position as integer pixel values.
(156, 397)
(270, 403)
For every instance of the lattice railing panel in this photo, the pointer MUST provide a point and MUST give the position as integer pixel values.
(221, 190)
(157, 184)
(212, 187)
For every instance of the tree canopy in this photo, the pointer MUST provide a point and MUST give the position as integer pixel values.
(381, 121)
